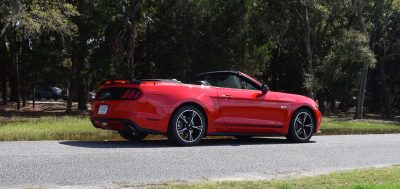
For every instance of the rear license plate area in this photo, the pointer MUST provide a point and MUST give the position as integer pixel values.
(103, 109)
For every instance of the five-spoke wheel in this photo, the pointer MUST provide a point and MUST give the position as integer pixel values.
(188, 126)
(302, 126)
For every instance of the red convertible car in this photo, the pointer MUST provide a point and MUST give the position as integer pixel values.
(228, 103)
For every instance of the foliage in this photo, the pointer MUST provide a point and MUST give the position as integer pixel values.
(35, 17)
(39, 16)
(81, 43)
(352, 48)
(342, 66)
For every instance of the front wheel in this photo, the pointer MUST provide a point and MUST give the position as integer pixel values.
(187, 126)
(301, 126)
(132, 136)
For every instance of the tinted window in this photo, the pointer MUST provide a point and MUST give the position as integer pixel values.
(246, 85)
(228, 81)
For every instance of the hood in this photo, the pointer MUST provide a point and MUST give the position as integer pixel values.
(294, 98)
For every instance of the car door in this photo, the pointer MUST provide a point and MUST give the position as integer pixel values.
(243, 107)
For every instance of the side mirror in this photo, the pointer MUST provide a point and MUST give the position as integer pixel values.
(264, 88)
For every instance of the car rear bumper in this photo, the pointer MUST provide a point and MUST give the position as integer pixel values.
(144, 115)
(120, 125)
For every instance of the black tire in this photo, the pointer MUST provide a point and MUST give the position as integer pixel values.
(132, 136)
(243, 137)
(187, 128)
(301, 130)
(55, 97)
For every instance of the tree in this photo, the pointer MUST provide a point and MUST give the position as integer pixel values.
(27, 20)
(304, 47)
(310, 79)
(344, 63)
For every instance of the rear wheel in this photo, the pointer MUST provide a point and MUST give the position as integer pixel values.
(132, 136)
(187, 126)
(301, 126)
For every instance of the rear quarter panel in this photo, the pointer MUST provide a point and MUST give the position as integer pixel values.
(157, 103)
(172, 96)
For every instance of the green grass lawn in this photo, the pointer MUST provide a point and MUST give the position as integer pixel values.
(373, 178)
(80, 128)
(53, 128)
(339, 126)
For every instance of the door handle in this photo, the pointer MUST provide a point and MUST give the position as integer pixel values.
(226, 96)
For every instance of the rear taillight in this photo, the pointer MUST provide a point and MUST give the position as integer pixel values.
(117, 93)
(131, 94)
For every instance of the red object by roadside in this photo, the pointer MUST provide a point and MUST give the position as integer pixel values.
(219, 103)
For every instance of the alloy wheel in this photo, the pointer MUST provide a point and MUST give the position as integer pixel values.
(189, 126)
(303, 125)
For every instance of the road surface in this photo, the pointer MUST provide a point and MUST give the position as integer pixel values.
(53, 164)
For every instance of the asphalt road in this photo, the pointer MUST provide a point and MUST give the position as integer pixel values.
(52, 164)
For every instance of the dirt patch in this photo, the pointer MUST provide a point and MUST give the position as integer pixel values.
(41, 109)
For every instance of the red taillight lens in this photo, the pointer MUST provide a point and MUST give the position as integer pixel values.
(131, 94)
(111, 82)
(117, 93)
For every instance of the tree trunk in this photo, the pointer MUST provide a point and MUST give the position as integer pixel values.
(23, 91)
(33, 95)
(361, 93)
(33, 85)
(309, 72)
(16, 70)
(3, 84)
(386, 109)
(71, 83)
(82, 94)
(3, 75)
(125, 42)
(379, 47)
(69, 99)
(78, 60)
(130, 26)
(307, 35)
(12, 83)
(364, 77)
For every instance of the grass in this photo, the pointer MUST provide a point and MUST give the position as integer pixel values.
(373, 178)
(53, 128)
(332, 126)
(80, 128)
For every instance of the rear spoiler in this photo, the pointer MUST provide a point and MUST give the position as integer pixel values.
(113, 82)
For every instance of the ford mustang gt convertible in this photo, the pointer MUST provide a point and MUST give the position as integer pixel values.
(223, 103)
